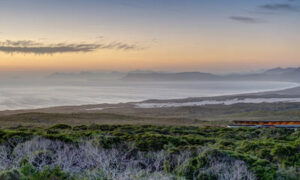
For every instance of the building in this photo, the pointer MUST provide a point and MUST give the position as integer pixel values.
(262, 124)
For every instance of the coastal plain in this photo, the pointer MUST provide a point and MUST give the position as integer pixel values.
(129, 113)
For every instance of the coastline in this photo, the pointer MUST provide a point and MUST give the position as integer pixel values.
(127, 113)
(293, 92)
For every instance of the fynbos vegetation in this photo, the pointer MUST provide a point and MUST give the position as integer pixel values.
(148, 152)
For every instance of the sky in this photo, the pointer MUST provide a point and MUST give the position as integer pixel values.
(163, 35)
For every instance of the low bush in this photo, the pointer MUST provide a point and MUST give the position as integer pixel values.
(111, 152)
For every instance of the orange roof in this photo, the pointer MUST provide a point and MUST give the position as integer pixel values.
(267, 122)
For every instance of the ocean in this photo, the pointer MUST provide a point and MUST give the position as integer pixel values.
(38, 95)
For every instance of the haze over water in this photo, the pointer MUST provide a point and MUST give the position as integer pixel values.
(36, 95)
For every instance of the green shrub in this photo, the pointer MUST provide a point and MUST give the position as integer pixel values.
(269, 153)
(61, 126)
(150, 142)
(80, 128)
(11, 175)
(285, 153)
(30, 173)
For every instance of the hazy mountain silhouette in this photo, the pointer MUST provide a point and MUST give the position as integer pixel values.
(275, 74)
(87, 75)
(186, 76)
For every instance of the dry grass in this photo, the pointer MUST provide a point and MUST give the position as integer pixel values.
(49, 119)
(212, 115)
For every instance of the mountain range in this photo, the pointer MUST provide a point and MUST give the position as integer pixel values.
(291, 74)
(275, 74)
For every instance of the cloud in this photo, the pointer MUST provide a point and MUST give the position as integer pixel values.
(280, 7)
(245, 19)
(33, 47)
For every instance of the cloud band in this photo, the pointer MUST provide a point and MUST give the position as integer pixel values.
(27, 46)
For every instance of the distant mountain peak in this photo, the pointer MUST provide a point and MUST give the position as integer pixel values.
(280, 70)
(164, 76)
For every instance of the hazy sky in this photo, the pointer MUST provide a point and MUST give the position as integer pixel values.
(172, 35)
